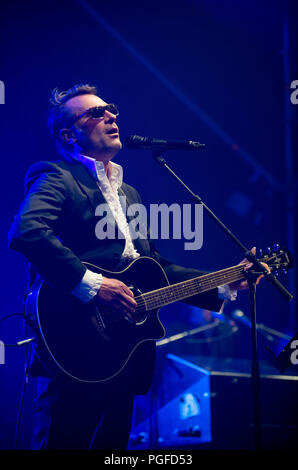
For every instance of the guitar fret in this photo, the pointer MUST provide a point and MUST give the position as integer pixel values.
(180, 291)
(170, 294)
(177, 292)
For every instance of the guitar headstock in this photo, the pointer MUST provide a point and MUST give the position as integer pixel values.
(277, 258)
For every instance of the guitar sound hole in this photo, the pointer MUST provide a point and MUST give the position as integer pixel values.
(141, 321)
(142, 315)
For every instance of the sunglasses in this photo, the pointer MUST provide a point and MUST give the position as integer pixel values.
(98, 112)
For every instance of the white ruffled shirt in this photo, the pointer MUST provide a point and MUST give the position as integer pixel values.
(91, 282)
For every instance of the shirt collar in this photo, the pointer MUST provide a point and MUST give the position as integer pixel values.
(97, 170)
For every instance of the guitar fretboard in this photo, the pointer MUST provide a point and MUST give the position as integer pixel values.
(177, 292)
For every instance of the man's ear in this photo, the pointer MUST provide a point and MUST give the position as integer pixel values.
(67, 136)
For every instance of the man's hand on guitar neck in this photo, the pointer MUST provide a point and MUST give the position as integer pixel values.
(243, 285)
(118, 296)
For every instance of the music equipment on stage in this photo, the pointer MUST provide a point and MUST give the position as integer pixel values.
(205, 402)
(93, 343)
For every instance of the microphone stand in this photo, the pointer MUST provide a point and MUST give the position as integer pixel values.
(251, 278)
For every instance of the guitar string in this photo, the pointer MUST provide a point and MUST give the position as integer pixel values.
(152, 299)
(114, 316)
(205, 280)
(190, 284)
(195, 282)
(202, 279)
(166, 299)
(188, 287)
(179, 287)
(199, 281)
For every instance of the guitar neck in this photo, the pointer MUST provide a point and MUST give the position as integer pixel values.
(183, 290)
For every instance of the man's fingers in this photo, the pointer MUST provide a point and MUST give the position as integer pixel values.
(127, 290)
(259, 278)
(129, 301)
(253, 250)
(127, 308)
(248, 266)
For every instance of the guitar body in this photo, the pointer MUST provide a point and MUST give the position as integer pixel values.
(93, 343)
(89, 343)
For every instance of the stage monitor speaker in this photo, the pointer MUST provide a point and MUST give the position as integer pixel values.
(203, 402)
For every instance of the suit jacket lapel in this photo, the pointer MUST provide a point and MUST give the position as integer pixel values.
(89, 187)
(87, 183)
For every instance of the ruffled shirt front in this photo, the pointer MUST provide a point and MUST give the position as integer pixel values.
(109, 186)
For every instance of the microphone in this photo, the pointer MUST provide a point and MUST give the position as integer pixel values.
(150, 143)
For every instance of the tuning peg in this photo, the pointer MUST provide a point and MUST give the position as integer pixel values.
(268, 250)
(276, 247)
(284, 271)
(276, 273)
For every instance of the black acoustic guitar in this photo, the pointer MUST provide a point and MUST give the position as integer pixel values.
(93, 344)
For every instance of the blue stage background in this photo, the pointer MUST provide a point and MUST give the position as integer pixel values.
(211, 71)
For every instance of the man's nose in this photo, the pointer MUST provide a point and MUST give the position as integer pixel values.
(109, 116)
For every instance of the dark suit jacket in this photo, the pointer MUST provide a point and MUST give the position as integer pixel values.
(55, 230)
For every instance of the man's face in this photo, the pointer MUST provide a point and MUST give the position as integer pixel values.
(97, 137)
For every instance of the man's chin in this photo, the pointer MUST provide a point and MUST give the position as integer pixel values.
(119, 144)
(115, 143)
(114, 147)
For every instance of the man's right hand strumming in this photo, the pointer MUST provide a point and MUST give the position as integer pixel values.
(117, 295)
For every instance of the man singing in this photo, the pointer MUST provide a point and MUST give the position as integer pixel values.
(55, 231)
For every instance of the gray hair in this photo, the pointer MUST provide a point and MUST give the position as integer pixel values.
(59, 116)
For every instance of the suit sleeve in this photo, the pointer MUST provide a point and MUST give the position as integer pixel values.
(208, 300)
(35, 227)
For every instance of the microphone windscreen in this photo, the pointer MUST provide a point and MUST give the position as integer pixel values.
(134, 141)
